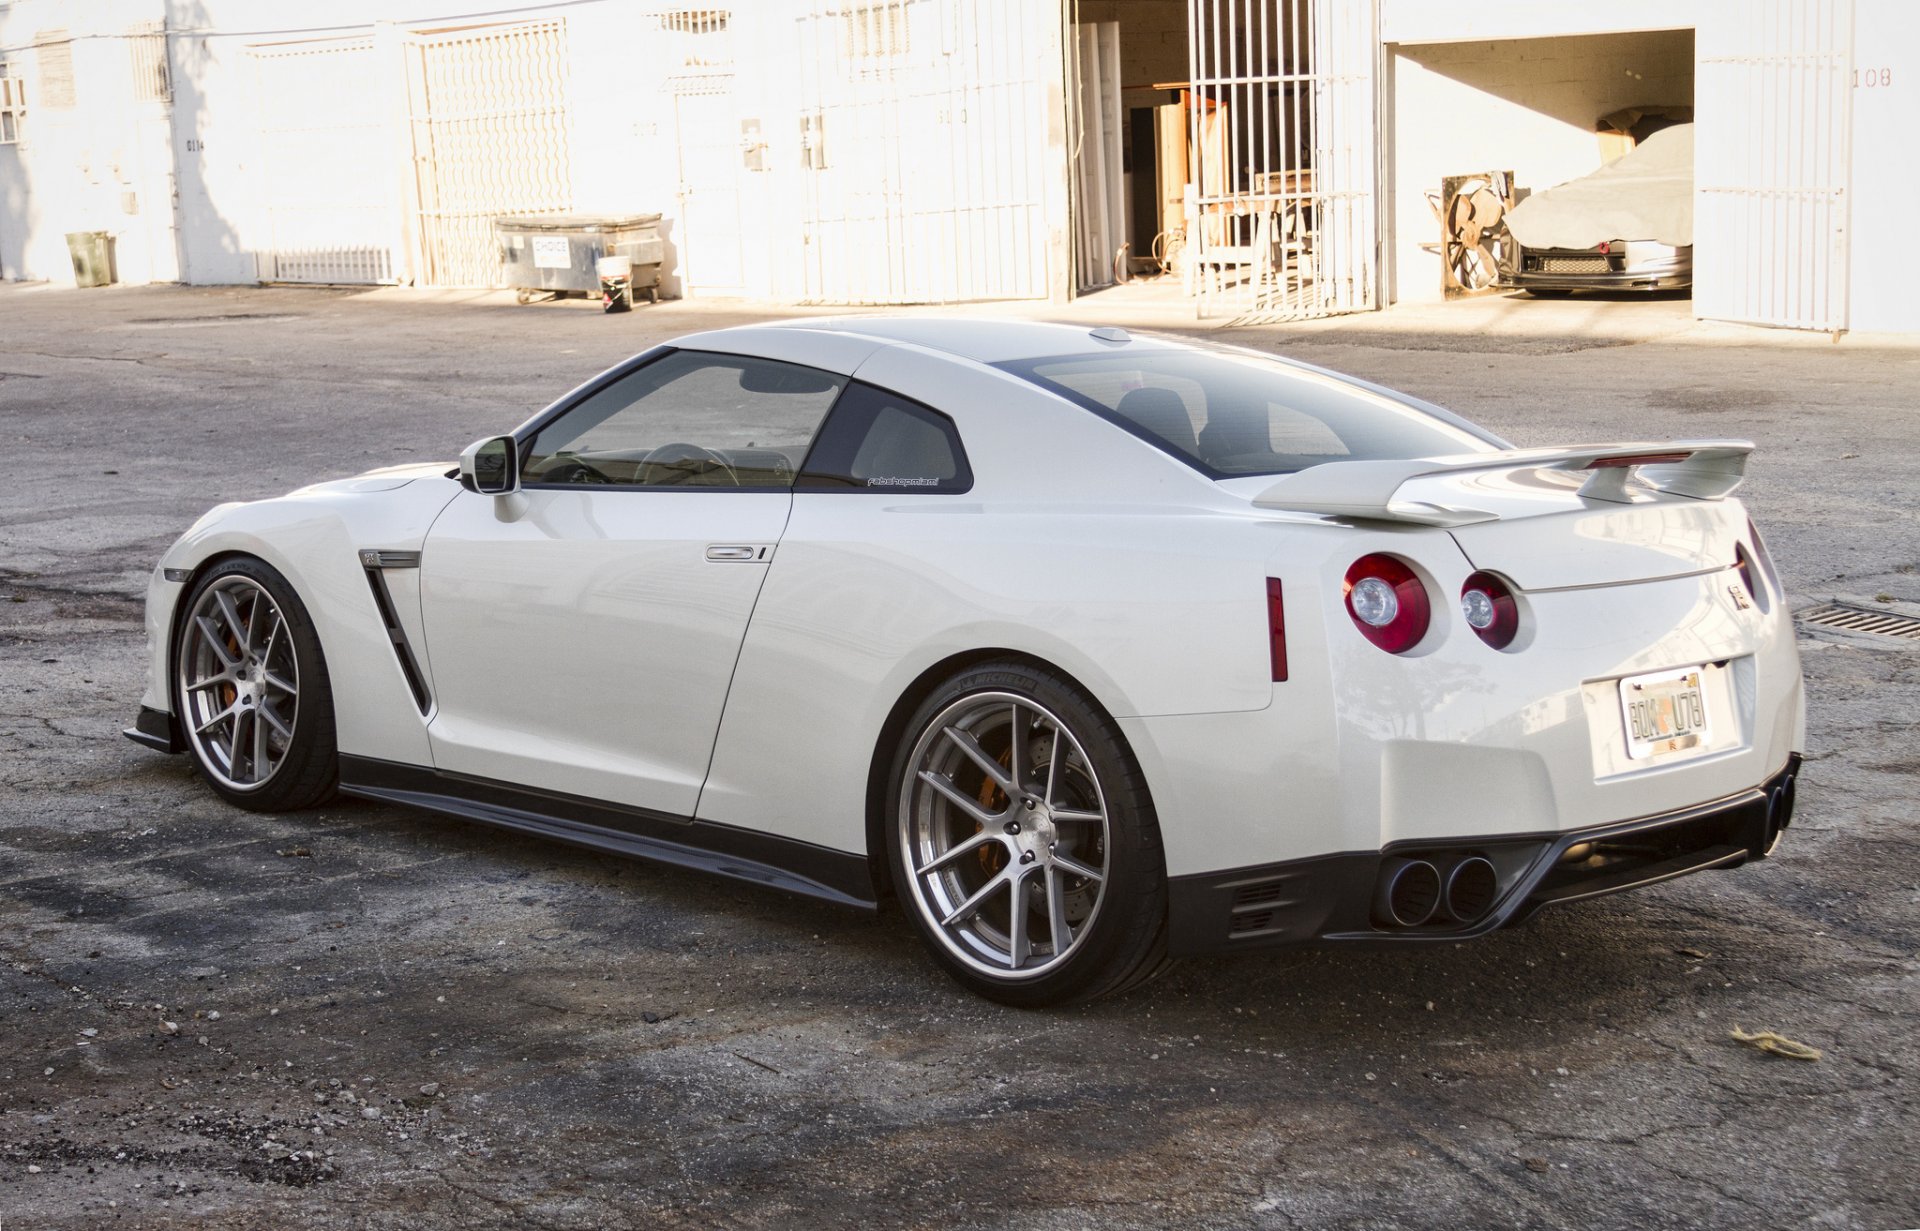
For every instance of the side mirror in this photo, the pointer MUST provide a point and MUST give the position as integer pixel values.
(491, 466)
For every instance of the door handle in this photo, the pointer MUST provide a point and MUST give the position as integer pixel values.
(741, 552)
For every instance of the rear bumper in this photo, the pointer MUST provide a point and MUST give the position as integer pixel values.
(1333, 897)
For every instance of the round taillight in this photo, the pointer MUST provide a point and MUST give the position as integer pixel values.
(1490, 610)
(1387, 602)
(1743, 565)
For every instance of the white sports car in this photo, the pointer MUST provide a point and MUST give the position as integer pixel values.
(1094, 650)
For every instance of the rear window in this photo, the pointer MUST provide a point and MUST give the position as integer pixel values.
(1232, 415)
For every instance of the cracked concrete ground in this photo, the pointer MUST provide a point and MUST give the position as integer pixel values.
(365, 1017)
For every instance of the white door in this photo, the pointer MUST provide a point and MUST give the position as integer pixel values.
(710, 236)
(581, 637)
(1772, 145)
(585, 646)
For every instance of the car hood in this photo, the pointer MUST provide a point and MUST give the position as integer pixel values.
(383, 479)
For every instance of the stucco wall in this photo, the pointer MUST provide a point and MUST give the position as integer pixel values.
(1523, 105)
(100, 164)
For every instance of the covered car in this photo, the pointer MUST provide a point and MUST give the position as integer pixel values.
(1627, 226)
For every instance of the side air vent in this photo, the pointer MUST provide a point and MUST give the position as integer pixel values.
(402, 650)
(1258, 908)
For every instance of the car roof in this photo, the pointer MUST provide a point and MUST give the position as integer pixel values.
(983, 340)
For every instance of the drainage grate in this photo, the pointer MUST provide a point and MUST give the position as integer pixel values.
(1846, 618)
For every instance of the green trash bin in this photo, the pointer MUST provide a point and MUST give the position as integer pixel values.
(92, 253)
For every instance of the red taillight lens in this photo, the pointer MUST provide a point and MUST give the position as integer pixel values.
(1490, 610)
(1387, 602)
(1276, 631)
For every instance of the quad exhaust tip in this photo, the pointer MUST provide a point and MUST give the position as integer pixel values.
(1413, 892)
(1472, 886)
(1409, 893)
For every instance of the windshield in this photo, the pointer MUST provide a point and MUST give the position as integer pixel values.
(1229, 415)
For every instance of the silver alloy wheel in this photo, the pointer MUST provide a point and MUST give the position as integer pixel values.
(1004, 833)
(239, 682)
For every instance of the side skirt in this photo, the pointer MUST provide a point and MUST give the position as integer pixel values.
(703, 846)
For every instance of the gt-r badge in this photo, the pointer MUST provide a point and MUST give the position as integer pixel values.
(1740, 601)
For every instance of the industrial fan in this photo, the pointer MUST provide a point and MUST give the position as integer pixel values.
(1473, 233)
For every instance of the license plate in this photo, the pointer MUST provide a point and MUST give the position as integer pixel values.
(1664, 712)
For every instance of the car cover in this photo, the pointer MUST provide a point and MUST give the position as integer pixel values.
(1645, 194)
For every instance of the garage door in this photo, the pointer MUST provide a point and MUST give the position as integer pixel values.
(1772, 144)
(326, 219)
(488, 110)
(924, 150)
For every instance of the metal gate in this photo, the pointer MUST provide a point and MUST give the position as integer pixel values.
(924, 149)
(320, 123)
(1282, 218)
(487, 108)
(1773, 145)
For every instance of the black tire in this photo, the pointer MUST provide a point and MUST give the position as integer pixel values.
(276, 771)
(1120, 939)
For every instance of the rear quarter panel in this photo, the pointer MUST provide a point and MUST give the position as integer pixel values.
(1078, 545)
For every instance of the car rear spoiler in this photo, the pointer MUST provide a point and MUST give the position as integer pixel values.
(1694, 469)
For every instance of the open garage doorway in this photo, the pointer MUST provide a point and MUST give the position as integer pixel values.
(1476, 127)
(1230, 144)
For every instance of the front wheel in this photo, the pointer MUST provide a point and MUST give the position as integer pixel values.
(1023, 842)
(251, 689)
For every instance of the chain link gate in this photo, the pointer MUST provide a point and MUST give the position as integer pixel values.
(1282, 218)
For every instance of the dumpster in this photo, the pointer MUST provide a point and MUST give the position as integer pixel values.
(92, 253)
(560, 253)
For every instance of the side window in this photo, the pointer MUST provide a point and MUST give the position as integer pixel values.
(879, 441)
(688, 419)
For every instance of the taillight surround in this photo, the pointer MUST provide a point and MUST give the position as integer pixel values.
(1387, 602)
(1755, 567)
(1489, 607)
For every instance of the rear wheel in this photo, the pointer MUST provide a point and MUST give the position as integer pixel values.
(251, 690)
(1023, 841)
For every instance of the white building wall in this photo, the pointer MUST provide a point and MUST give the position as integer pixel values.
(614, 141)
(101, 164)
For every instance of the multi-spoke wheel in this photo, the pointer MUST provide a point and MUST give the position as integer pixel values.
(1023, 841)
(251, 689)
